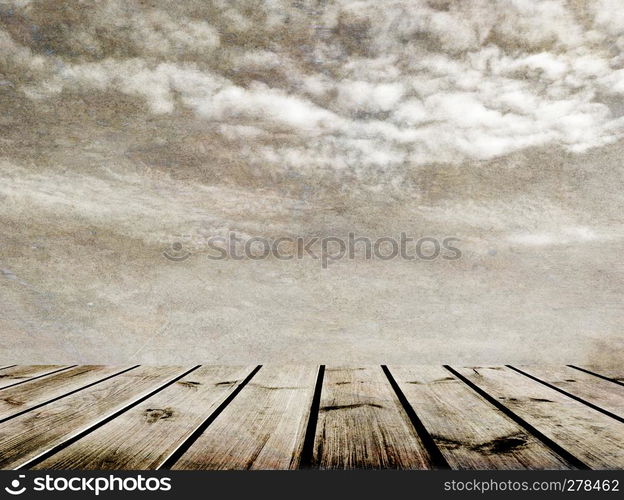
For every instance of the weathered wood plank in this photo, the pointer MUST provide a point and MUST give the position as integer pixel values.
(591, 436)
(597, 391)
(616, 374)
(32, 434)
(144, 436)
(362, 424)
(469, 431)
(20, 398)
(262, 428)
(4, 367)
(21, 374)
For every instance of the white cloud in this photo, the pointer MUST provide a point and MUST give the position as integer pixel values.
(262, 103)
(364, 96)
(423, 81)
(564, 236)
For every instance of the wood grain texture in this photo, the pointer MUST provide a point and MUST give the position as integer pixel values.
(361, 424)
(616, 374)
(144, 436)
(262, 428)
(20, 398)
(469, 431)
(592, 437)
(20, 374)
(600, 392)
(4, 367)
(27, 436)
(93, 417)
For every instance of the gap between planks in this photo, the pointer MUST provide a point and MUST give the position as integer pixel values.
(591, 437)
(142, 437)
(593, 392)
(23, 374)
(612, 376)
(137, 391)
(315, 410)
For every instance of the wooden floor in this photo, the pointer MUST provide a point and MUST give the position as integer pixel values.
(288, 417)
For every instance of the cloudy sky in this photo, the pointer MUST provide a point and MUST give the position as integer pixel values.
(128, 125)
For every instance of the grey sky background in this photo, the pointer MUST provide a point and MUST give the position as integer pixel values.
(126, 126)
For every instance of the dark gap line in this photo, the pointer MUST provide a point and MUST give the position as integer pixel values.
(307, 451)
(566, 393)
(66, 394)
(437, 458)
(37, 377)
(7, 366)
(188, 442)
(603, 377)
(55, 449)
(562, 452)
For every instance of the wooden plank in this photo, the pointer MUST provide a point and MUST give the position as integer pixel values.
(32, 434)
(4, 367)
(262, 428)
(20, 374)
(469, 431)
(596, 391)
(144, 436)
(21, 398)
(591, 436)
(615, 374)
(362, 424)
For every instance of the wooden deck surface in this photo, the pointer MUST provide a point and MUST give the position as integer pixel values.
(288, 417)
